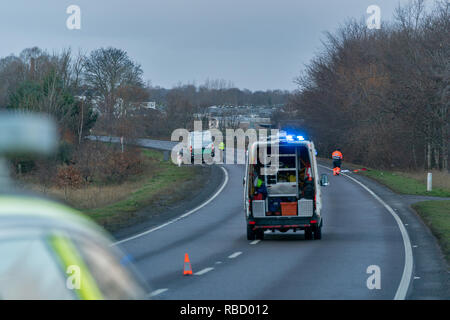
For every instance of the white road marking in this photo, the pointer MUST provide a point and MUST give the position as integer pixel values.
(156, 292)
(234, 255)
(203, 271)
(416, 278)
(218, 262)
(180, 217)
(403, 287)
(255, 241)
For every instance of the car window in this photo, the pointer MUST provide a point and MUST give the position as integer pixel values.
(198, 139)
(28, 270)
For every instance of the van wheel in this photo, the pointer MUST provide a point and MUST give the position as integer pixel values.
(260, 234)
(318, 233)
(250, 233)
(308, 234)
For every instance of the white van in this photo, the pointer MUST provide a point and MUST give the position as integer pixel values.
(288, 198)
(200, 143)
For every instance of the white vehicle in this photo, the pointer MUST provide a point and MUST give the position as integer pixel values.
(200, 143)
(288, 198)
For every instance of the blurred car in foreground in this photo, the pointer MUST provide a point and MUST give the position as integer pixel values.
(48, 250)
(45, 246)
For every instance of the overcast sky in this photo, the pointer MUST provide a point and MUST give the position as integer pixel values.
(256, 44)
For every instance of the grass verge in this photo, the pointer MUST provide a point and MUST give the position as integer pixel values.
(167, 177)
(405, 185)
(436, 215)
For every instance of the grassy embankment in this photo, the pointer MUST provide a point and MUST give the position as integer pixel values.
(412, 183)
(436, 215)
(115, 205)
(161, 178)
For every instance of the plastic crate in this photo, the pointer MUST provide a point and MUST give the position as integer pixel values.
(288, 208)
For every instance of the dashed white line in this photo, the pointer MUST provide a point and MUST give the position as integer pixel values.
(255, 241)
(157, 292)
(203, 271)
(234, 255)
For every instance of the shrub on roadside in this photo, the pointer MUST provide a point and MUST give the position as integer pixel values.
(104, 163)
(68, 177)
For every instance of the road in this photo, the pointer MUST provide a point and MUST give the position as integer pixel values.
(358, 232)
(148, 143)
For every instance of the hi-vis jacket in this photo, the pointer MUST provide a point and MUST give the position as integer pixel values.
(337, 155)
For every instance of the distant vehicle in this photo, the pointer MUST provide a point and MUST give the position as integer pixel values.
(200, 143)
(290, 197)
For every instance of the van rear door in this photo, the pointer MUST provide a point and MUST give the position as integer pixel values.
(312, 154)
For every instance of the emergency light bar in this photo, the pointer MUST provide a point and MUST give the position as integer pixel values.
(292, 138)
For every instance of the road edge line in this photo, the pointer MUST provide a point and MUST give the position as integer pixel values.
(405, 281)
(184, 215)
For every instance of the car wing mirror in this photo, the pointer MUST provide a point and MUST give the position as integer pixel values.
(324, 180)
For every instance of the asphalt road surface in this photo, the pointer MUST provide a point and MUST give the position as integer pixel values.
(365, 226)
(358, 232)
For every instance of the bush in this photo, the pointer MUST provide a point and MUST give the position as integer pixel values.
(122, 165)
(68, 177)
(105, 163)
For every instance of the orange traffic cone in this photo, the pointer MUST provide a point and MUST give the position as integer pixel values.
(187, 265)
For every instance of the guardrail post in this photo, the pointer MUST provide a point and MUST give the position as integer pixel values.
(429, 181)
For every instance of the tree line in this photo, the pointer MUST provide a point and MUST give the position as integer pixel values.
(81, 92)
(103, 92)
(381, 95)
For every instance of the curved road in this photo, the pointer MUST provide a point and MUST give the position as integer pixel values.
(358, 232)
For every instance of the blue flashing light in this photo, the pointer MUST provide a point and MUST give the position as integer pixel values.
(292, 138)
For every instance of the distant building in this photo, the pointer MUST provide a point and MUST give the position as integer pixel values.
(150, 105)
